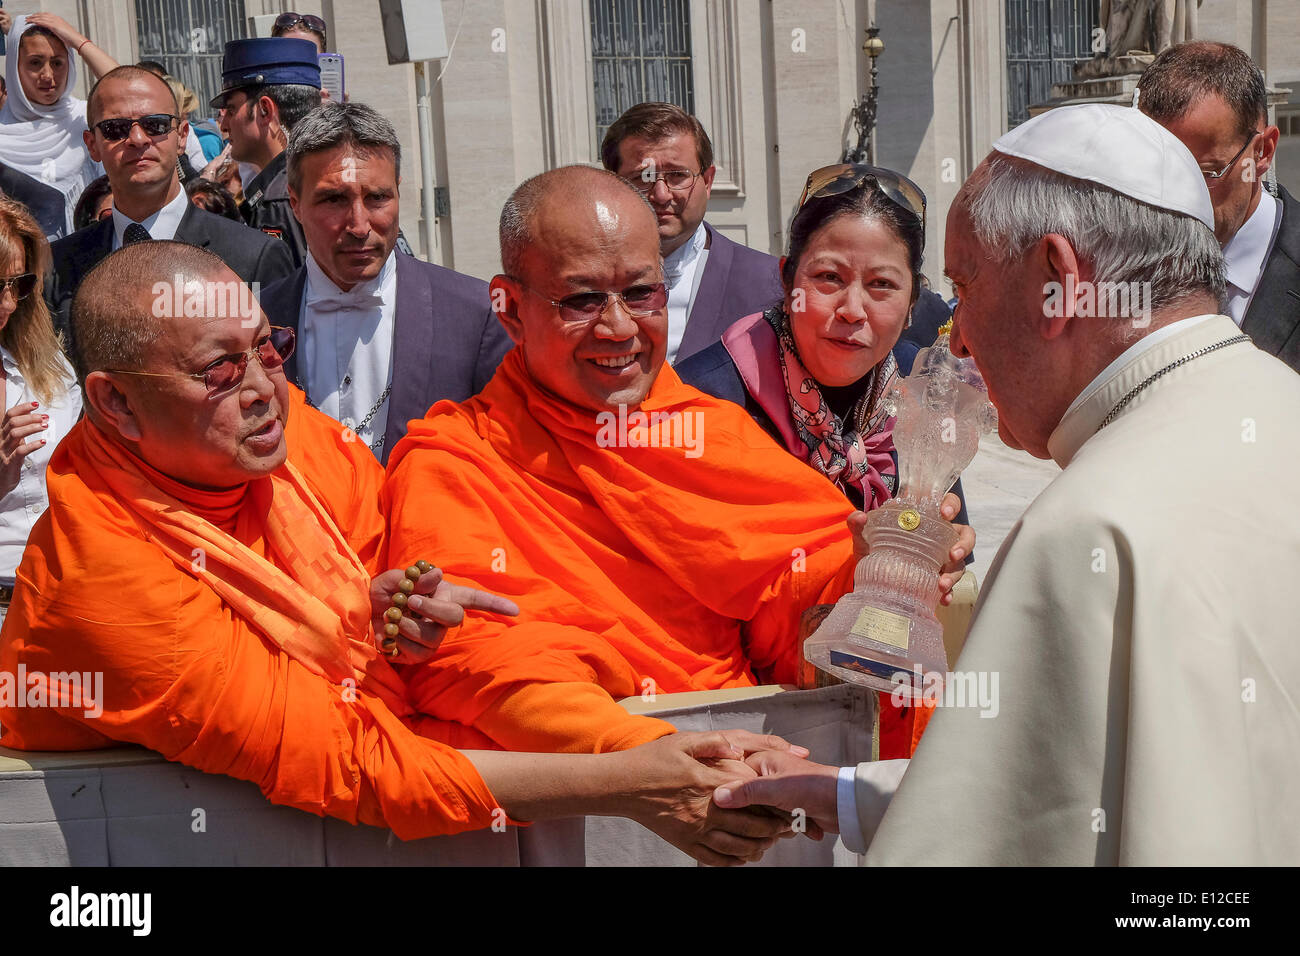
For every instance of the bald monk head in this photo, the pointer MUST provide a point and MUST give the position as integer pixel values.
(162, 330)
(568, 237)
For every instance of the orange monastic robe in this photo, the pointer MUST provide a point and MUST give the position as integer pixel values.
(232, 630)
(674, 554)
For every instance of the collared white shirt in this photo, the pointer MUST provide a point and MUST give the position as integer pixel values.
(161, 225)
(20, 508)
(683, 270)
(346, 356)
(1245, 254)
(1148, 341)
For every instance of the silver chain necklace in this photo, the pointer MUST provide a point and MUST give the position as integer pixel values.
(1123, 402)
(378, 443)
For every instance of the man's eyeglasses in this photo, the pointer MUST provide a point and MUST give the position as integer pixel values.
(155, 124)
(844, 177)
(1211, 177)
(589, 306)
(273, 351)
(287, 21)
(677, 180)
(22, 285)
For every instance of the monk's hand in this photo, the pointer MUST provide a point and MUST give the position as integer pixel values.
(804, 790)
(668, 785)
(20, 435)
(433, 607)
(952, 570)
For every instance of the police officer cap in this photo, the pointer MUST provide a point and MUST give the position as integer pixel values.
(267, 61)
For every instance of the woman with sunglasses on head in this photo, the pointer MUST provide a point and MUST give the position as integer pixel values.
(41, 401)
(300, 26)
(42, 123)
(814, 370)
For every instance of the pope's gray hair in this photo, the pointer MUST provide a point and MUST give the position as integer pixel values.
(1014, 203)
(339, 124)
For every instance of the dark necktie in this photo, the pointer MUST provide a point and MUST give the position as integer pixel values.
(135, 233)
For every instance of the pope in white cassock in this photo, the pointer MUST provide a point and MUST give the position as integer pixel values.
(1142, 614)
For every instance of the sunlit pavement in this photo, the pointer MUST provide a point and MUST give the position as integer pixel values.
(999, 484)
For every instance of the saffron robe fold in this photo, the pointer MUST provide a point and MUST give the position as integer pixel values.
(1140, 618)
(233, 632)
(658, 556)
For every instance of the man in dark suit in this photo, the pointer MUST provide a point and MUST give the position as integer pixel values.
(381, 336)
(1213, 98)
(134, 132)
(665, 153)
(43, 201)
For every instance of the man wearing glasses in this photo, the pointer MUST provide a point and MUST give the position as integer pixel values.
(665, 153)
(1213, 98)
(135, 132)
(664, 543)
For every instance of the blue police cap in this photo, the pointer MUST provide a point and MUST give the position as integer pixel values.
(267, 61)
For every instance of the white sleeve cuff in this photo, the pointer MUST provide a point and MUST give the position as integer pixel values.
(847, 810)
(858, 824)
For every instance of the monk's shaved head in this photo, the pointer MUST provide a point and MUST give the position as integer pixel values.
(115, 314)
(603, 200)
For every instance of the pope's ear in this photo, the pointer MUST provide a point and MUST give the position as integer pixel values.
(1062, 283)
(111, 407)
(504, 293)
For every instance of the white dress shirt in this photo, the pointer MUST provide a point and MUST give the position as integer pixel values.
(20, 508)
(858, 824)
(346, 358)
(161, 225)
(683, 270)
(1245, 253)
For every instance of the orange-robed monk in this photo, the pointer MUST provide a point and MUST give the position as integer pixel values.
(218, 588)
(655, 538)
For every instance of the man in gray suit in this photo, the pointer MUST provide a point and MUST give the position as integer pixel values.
(381, 336)
(1213, 98)
(665, 153)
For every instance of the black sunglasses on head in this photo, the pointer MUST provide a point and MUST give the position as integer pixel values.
(155, 124)
(287, 21)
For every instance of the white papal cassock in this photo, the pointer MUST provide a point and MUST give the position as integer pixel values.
(1144, 619)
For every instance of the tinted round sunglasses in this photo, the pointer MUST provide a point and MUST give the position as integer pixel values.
(273, 351)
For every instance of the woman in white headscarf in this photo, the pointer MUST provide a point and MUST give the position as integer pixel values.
(41, 123)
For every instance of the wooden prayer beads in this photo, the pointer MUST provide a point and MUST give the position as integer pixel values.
(393, 616)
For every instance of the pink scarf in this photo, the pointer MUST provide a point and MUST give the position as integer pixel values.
(855, 452)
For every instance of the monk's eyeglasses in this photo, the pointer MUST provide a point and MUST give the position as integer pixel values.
(588, 306)
(845, 177)
(22, 286)
(225, 373)
(1212, 178)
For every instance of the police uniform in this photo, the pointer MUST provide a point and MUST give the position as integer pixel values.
(266, 207)
(270, 62)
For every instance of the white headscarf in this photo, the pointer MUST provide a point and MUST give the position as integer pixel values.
(45, 141)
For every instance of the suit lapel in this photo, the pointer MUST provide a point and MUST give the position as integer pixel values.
(292, 317)
(414, 373)
(701, 324)
(1274, 311)
(190, 229)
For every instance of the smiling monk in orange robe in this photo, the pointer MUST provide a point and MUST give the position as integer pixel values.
(655, 538)
(209, 580)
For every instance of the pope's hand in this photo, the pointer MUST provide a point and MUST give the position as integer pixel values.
(789, 783)
(435, 606)
(670, 786)
(955, 567)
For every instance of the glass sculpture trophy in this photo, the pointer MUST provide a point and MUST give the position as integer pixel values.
(886, 625)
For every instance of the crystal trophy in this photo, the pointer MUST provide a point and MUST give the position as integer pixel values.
(884, 632)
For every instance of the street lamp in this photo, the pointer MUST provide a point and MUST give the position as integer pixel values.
(864, 111)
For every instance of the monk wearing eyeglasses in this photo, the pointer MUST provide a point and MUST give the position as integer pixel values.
(205, 549)
(655, 538)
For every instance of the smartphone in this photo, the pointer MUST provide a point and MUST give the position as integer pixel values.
(331, 75)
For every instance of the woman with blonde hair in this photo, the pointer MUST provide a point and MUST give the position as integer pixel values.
(42, 400)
